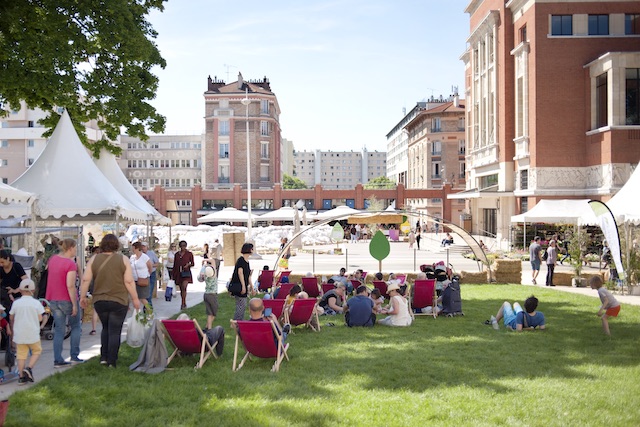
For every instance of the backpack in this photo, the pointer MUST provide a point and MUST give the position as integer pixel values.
(545, 255)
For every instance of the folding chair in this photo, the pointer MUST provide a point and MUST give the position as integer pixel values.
(284, 273)
(283, 293)
(266, 280)
(355, 284)
(187, 337)
(310, 286)
(402, 278)
(326, 287)
(382, 287)
(364, 277)
(303, 312)
(424, 295)
(260, 339)
(276, 306)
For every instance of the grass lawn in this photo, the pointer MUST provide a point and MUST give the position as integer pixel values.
(449, 371)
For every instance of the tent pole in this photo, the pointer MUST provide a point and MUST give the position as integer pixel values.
(33, 230)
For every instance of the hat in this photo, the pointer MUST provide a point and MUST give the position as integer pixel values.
(144, 244)
(393, 287)
(27, 285)
(208, 271)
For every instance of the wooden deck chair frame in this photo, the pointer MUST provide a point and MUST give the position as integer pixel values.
(263, 284)
(418, 286)
(301, 304)
(280, 350)
(311, 287)
(206, 349)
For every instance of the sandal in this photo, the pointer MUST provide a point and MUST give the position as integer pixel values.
(93, 332)
(330, 324)
(487, 322)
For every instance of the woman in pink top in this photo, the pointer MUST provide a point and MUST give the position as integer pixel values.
(63, 301)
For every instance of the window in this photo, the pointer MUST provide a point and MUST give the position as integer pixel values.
(602, 118)
(264, 173)
(223, 128)
(463, 170)
(523, 34)
(30, 143)
(436, 148)
(632, 97)
(30, 161)
(5, 162)
(598, 25)
(524, 204)
(632, 24)
(461, 146)
(30, 124)
(4, 143)
(223, 175)
(264, 106)
(264, 150)
(435, 168)
(488, 181)
(435, 124)
(524, 179)
(561, 25)
(264, 128)
(224, 150)
(5, 180)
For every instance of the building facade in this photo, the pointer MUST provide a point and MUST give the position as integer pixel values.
(398, 147)
(553, 102)
(225, 144)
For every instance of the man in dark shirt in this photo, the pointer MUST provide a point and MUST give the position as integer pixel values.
(360, 309)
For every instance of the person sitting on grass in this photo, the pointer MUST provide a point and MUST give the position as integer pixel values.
(377, 299)
(359, 309)
(516, 319)
(332, 301)
(610, 306)
(398, 309)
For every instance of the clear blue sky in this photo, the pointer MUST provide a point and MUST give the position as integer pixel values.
(342, 69)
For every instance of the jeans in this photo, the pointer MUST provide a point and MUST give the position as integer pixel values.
(152, 286)
(112, 315)
(550, 268)
(60, 311)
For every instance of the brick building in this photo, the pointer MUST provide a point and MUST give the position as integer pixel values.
(553, 102)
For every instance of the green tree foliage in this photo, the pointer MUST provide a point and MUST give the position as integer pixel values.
(292, 183)
(92, 57)
(380, 182)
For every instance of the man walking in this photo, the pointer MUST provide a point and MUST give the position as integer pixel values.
(552, 257)
(534, 258)
(216, 255)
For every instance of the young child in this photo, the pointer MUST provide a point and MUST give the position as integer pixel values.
(256, 285)
(377, 299)
(610, 306)
(26, 315)
(210, 294)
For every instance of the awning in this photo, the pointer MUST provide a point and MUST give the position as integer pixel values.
(476, 193)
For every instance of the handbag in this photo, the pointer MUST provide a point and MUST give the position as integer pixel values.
(185, 274)
(143, 281)
(235, 289)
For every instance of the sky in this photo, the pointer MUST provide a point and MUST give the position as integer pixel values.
(342, 70)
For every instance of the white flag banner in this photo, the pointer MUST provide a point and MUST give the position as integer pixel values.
(610, 230)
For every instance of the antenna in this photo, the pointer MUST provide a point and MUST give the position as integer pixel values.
(227, 66)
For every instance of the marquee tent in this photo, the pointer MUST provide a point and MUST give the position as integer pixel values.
(625, 205)
(14, 202)
(286, 213)
(338, 212)
(227, 215)
(566, 211)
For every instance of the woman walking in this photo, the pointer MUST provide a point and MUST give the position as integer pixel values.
(182, 264)
(141, 269)
(113, 285)
(242, 275)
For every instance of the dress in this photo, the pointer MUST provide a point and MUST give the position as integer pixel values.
(402, 318)
(181, 260)
(241, 300)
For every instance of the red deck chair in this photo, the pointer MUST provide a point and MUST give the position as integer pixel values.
(283, 293)
(302, 313)
(276, 306)
(260, 339)
(355, 284)
(424, 295)
(265, 280)
(310, 286)
(402, 278)
(284, 273)
(186, 337)
(326, 287)
(364, 277)
(382, 287)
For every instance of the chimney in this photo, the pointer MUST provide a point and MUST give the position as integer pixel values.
(456, 100)
(240, 81)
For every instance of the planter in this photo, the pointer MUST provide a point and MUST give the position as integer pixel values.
(578, 282)
(634, 290)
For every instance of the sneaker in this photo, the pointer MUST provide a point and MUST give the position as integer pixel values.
(494, 323)
(533, 281)
(286, 328)
(103, 362)
(23, 381)
(61, 364)
(76, 361)
(26, 373)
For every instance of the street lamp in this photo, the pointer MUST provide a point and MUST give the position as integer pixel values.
(246, 103)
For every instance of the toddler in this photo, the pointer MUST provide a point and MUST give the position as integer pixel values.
(610, 306)
(26, 316)
(377, 299)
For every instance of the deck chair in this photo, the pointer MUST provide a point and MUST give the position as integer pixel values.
(266, 280)
(303, 311)
(355, 284)
(382, 287)
(402, 278)
(310, 286)
(282, 274)
(276, 306)
(260, 339)
(326, 287)
(187, 337)
(364, 277)
(283, 293)
(424, 295)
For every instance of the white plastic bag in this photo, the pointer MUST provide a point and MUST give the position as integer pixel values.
(136, 331)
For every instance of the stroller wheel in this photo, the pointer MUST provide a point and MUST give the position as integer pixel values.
(48, 336)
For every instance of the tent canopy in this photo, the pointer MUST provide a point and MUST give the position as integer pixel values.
(286, 213)
(377, 218)
(13, 202)
(625, 205)
(564, 211)
(227, 215)
(337, 212)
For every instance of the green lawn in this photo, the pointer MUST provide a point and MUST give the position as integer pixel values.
(449, 371)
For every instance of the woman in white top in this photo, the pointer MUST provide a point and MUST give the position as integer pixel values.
(141, 268)
(398, 309)
(171, 256)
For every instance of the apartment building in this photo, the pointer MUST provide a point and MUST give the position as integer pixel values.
(553, 104)
(286, 157)
(398, 147)
(339, 169)
(225, 143)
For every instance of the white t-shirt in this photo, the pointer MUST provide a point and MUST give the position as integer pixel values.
(26, 322)
(171, 256)
(139, 267)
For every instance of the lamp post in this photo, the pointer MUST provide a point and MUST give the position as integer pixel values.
(246, 103)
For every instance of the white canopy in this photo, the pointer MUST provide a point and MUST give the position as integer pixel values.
(14, 202)
(337, 212)
(67, 183)
(109, 167)
(564, 211)
(286, 213)
(625, 205)
(227, 215)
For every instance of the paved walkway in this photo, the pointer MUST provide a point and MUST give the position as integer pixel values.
(314, 259)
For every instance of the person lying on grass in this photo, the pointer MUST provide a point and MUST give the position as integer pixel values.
(610, 306)
(516, 319)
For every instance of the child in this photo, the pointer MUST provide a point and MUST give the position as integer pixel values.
(610, 306)
(210, 294)
(26, 315)
(377, 299)
(256, 285)
(293, 293)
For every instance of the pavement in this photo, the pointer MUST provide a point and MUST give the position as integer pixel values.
(316, 259)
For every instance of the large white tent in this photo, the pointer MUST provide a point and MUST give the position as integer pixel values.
(14, 203)
(286, 213)
(227, 215)
(625, 205)
(565, 211)
(68, 184)
(339, 212)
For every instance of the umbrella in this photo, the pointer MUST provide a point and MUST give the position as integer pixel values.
(286, 213)
(337, 212)
(226, 215)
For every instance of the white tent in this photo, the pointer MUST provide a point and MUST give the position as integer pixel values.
(625, 205)
(564, 211)
(109, 167)
(337, 212)
(227, 215)
(68, 184)
(14, 202)
(286, 213)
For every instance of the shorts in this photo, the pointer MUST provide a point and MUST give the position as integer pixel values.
(142, 291)
(211, 304)
(613, 311)
(535, 264)
(22, 350)
(510, 314)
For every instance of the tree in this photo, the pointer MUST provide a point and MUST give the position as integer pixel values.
(93, 58)
(380, 183)
(292, 183)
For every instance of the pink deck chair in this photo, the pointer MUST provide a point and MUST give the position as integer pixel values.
(310, 286)
(303, 311)
(266, 280)
(402, 278)
(382, 287)
(276, 306)
(187, 337)
(284, 273)
(364, 277)
(259, 339)
(326, 287)
(424, 295)
(284, 290)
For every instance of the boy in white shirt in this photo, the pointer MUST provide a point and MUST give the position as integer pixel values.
(26, 316)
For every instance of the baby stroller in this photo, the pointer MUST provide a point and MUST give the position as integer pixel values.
(5, 344)
(451, 298)
(46, 326)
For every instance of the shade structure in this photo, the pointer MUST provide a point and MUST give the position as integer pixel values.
(564, 211)
(227, 215)
(377, 218)
(625, 205)
(286, 213)
(337, 212)
(14, 202)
